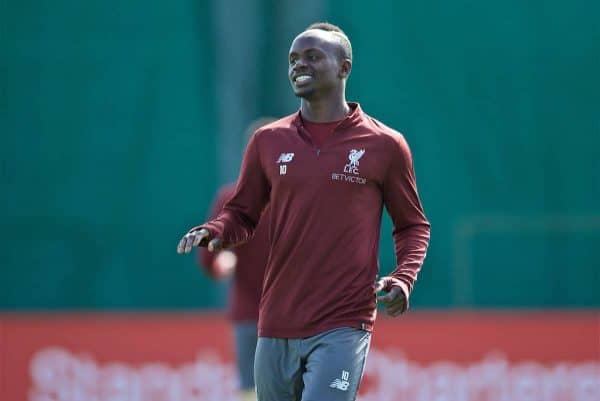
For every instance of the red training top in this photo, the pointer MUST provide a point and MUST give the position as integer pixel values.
(326, 205)
(319, 132)
(244, 296)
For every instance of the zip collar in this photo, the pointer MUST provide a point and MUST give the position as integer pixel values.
(352, 119)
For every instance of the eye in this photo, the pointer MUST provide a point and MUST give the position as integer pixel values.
(313, 57)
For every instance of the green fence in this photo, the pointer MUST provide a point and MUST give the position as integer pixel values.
(118, 126)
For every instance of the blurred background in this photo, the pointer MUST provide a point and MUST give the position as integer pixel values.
(121, 119)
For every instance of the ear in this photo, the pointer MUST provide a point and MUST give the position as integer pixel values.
(345, 68)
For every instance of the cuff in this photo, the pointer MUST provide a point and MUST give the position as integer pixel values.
(396, 282)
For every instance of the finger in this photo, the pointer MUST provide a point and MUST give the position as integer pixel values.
(184, 244)
(396, 309)
(395, 295)
(379, 286)
(392, 309)
(200, 236)
(189, 242)
(384, 298)
(181, 245)
(394, 312)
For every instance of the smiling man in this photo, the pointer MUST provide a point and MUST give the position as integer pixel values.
(327, 172)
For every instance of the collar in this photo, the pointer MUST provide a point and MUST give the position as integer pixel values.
(355, 116)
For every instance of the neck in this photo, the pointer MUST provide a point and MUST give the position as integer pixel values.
(324, 110)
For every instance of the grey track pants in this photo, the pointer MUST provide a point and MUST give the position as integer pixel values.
(328, 366)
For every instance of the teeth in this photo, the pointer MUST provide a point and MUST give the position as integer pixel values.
(303, 78)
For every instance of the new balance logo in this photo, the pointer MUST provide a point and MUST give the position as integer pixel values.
(343, 383)
(285, 158)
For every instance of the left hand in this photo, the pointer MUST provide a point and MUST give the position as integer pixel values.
(394, 300)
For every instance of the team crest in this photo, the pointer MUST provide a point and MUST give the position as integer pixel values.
(354, 158)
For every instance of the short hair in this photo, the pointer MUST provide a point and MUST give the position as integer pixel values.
(343, 40)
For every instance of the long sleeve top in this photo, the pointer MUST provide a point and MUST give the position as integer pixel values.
(326, 205)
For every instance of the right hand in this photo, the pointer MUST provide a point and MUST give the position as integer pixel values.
(194, 238)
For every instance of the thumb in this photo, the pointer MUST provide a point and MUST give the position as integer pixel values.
(384, 298)
(215, 245)
(383, 283)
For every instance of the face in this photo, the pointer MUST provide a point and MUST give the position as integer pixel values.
(315, 65)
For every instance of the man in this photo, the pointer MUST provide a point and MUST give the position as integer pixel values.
(326, 171)
(246, 265)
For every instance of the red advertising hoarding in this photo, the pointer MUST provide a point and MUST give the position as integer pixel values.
(427, 356)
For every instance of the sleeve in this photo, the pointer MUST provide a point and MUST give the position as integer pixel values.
(205, 258)
(411, 229)
(240, 215)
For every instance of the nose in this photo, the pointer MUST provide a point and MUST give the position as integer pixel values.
(300, 63)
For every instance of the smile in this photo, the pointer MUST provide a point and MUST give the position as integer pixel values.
(302, 79)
